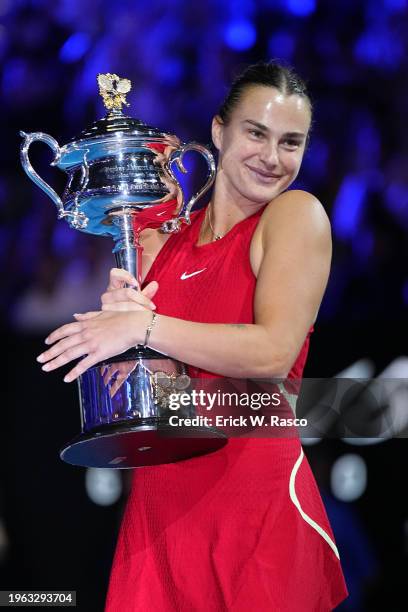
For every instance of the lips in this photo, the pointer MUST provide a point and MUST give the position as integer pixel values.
(267, 177)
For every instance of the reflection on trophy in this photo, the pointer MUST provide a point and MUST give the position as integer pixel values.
(120, 182)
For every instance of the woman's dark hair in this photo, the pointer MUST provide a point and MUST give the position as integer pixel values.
(269, 74)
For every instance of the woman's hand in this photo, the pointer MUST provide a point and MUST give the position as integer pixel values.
(118, 297)
(102, 334)
(95, 337)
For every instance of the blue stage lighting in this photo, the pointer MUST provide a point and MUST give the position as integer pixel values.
(405, 292)
(302, 8)
(282, 45)
(240, 34)
(348, 207)
(171, 70)
(75, 47)
(378, 46)
(396, 5)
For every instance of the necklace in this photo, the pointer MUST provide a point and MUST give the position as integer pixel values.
(216, 236)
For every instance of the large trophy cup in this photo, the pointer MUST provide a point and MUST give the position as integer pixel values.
(120, 182)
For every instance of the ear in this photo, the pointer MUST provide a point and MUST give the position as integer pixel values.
(217, 129)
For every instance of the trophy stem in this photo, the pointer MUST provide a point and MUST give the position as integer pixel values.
(128, 250)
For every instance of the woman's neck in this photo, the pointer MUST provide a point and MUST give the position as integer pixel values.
(226, 209)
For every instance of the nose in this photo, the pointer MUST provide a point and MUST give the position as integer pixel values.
(269, 154)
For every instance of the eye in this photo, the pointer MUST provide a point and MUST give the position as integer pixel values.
(257, 134)
(291, 144)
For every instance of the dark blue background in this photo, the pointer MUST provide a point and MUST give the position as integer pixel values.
(181, 56)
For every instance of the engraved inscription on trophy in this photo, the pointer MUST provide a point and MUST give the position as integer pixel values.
(128, 174)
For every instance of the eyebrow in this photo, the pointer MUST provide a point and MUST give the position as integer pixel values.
(263, 128)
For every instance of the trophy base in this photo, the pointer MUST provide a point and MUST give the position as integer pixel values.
(123, 446)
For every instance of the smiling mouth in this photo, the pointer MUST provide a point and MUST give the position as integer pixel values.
(264, 176)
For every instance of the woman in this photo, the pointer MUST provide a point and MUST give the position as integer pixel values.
(244, 527)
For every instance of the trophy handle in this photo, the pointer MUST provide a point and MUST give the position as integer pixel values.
(78, 220)
(173, 225)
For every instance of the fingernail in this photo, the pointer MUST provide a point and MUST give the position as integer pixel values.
(40, 358)
(67, 379)
(47, 341)
(45, 367)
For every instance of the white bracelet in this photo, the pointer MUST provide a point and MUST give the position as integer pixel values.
(149, 329)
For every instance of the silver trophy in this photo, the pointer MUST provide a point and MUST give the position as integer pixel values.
(120, 182)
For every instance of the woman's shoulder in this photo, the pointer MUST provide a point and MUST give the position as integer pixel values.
(300, 209)
(292, 221)
(295, 199)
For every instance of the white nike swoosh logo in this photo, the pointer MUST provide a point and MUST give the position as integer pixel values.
(184, 275)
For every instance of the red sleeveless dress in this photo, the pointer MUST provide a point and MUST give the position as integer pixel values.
(240, 529)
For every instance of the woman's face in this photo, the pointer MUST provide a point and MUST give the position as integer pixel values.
(261, 147)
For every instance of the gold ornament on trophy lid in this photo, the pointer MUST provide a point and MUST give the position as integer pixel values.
(113, 90)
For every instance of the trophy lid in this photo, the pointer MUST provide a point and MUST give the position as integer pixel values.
(117, 122)
(113, 90)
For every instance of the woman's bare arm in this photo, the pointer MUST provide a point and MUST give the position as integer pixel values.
(291, 282)
(296, 247)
